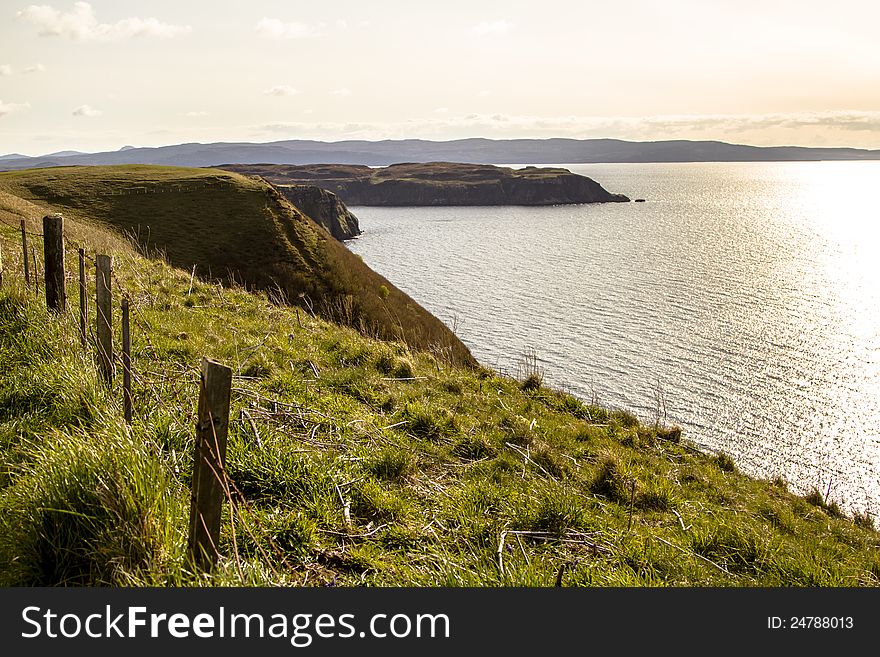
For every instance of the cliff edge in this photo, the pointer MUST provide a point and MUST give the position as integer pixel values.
(325, 208)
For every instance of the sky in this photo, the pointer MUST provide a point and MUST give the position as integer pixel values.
(100, 75)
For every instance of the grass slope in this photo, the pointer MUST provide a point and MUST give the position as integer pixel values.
(236, 228)
(356, 461)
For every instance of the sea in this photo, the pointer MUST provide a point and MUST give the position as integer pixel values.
(740, 301)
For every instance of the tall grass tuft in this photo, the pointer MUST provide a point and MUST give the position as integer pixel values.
(530, 374)
(612, 482)
(95, 509)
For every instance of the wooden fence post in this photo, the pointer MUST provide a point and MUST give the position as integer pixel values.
(104, 303)
(1, 265)
(24, 249)
(126, 361)
(53, 262)
(82, 297)
(209, 485)
(36, 277)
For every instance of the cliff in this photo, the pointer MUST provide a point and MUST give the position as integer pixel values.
(242, 231)
(438, 183)
(325, 208)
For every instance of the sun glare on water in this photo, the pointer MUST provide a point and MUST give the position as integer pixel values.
(834, 243)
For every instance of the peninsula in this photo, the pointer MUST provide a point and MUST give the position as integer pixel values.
(436, 183)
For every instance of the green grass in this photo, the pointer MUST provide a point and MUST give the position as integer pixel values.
(359, 462)
(234, 229)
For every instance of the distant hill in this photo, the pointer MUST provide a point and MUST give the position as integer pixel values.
(477, 150)
(237, 229)
(64, 154)
(436, 183)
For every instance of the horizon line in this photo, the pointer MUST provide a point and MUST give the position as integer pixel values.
(74, 153)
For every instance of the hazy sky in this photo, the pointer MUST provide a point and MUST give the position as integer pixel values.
(100, 75)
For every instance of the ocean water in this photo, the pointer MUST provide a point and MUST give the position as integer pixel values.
(741, 301)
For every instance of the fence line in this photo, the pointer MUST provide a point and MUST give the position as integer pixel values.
(181, 382)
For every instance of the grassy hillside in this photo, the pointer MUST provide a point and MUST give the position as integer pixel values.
(355, 461)
(237, 228)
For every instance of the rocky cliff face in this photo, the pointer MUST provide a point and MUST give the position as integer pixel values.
(439, 183)
(325, 208)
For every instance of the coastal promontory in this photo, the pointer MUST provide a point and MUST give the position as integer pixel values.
(438, 183)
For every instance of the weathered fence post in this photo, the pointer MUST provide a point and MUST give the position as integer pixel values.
(82, 297)
(53, 262)
(104, 303)
(24, 249)
(209, 474)
(126, 361)
(1, 265)
(36, 276)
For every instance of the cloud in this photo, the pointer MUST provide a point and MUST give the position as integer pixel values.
(86, 110)
(195, 113)
(9, 108)
(80, 24)
(666, 126)
(6, 69)
(734, 123)
(342, 92)
(281, 90)
(845, 120)
(350, 130)
(275, 28)
(492, 27)
(656, 127)
(441, 110)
